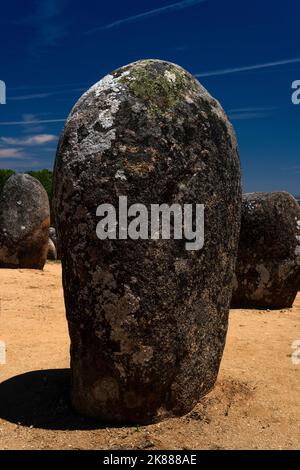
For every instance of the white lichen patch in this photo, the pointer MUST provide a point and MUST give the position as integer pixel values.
(189, 99)
(106, 116)
(171, 77)
(97, 143)
(120, 175)
(125, 74)
(249, 205)
(108, 83)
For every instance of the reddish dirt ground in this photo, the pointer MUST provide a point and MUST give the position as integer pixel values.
(255, 404)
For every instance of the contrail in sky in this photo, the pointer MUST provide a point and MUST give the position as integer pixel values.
(266, 65)
(147, 14)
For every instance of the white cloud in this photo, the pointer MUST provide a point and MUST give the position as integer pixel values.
(245, 113)
(39, 139)
(29, 122)
(11, 153)
(147, 14)
(29, 97)
(249, 115)
(247, 68)
(252, 109)
(48, 94)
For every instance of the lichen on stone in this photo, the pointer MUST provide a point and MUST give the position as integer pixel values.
(147, 319)
(161, 91)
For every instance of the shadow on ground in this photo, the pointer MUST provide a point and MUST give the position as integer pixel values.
(41, 399)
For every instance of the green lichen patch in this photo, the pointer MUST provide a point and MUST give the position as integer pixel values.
(162, 90)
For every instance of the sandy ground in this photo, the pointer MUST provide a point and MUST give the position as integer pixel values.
(255, 404)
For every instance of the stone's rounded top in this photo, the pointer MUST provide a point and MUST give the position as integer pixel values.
(24, 204)
(159, 83)
(263, 201)
(21, 183)
(270, 225)
(143, 93)
(265, 196)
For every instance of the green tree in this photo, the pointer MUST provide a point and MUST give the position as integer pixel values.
(4, 175)
(45, 178)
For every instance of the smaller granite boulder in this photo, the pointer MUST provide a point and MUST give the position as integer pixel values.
(52, 255)
(24, 223)
(268, 263)
(53, 237)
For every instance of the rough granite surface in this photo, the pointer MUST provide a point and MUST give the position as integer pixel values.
(147, 318)
(268, 264)
(52, 255)
(24, 223)
(53, 237)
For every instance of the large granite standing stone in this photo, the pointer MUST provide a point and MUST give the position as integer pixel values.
(147, 318)
(268, 264)
(24, 223)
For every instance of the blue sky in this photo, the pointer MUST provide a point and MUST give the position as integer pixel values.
(247, 54)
